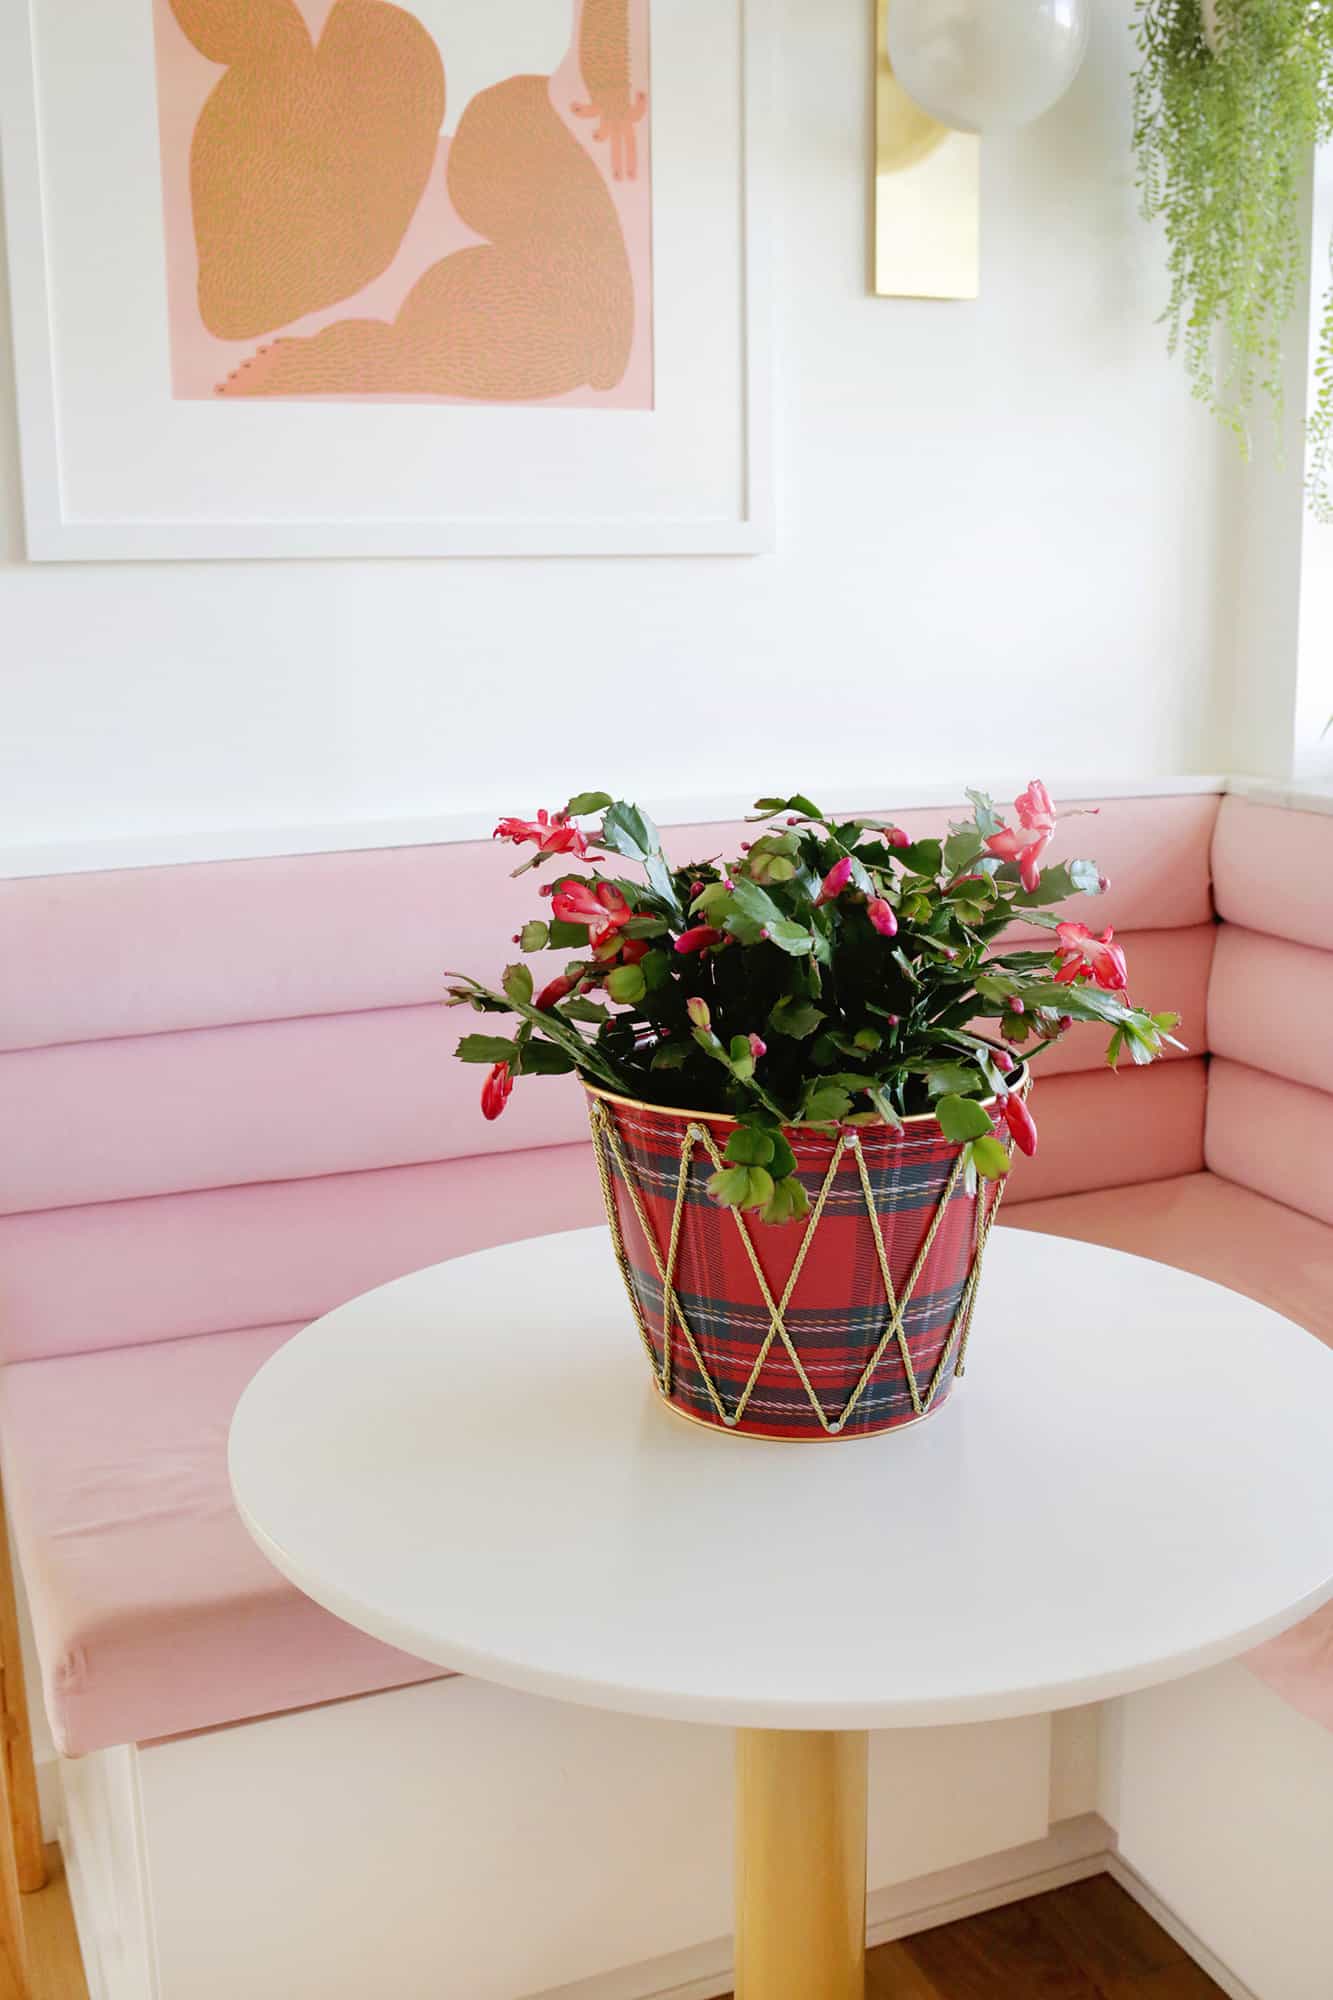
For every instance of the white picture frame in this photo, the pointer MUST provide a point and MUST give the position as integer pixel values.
(116, 469)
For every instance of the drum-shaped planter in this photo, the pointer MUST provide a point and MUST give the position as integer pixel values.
(851, 1321)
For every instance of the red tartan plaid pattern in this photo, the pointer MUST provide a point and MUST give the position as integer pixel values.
(838, 1313)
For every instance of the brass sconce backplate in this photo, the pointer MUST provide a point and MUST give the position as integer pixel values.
(927, 193)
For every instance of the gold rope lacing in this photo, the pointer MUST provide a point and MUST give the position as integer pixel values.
(604, 1133)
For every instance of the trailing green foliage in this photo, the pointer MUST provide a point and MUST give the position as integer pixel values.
(1229, 97)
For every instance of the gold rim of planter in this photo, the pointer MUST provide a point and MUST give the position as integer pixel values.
(793, 1125)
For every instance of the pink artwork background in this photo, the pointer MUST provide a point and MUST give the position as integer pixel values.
(200, 360)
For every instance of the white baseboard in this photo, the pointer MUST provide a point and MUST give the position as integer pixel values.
(1134, 1885)
(1072, 1851)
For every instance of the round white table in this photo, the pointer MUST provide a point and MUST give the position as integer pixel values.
(1134, 1481)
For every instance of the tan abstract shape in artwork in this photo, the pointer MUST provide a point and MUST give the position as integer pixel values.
(604, 59)
(308, 159)
(544, 306)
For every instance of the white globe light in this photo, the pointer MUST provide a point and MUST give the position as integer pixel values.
(986, 65)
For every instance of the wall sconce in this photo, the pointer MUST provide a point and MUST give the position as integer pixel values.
(947, 70)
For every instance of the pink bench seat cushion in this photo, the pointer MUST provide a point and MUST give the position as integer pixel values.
(153, 1610)
(1272, 1253)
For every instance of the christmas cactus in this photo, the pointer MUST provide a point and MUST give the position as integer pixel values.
(834, 972)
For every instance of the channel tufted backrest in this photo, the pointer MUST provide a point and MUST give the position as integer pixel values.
(1270, 1005)
(231, 1101)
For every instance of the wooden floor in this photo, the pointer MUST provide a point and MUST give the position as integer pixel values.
(53, 1948)
(1087, 1942)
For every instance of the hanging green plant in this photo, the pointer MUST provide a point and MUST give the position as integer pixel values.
(1229, 97)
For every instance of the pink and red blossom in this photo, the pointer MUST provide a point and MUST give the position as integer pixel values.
(600, 906)
(551, 832)
(496, 1090)
(839, 875)
(1022, 1125)
(1085, 956)
(558, 989)
(882, 917)
(701, 937)
(1036, 817)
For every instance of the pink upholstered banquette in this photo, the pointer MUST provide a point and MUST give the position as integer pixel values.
(231, 1104)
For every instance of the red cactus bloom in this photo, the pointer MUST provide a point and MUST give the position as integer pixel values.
(1002, 1060)
(558, 989)
(495, 1091)
(1034, 808)
(897, 836)
(700, 938)
(1021, 1124)
(881, 916)
(1084, 956)
(839, 875)
(633, 949)
(599, 905)
(1037, 818)
(551, 832)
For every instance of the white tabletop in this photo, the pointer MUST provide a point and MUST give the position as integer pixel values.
(1135, 1479)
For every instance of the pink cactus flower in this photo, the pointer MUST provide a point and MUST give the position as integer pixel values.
(1021, 1124)
(496, 1089)
(758, 1047)
(701, 937)
(1037, 819)
(551, 832)
(881, 916)
(1084, 956)
(558, 989)
(839, 875)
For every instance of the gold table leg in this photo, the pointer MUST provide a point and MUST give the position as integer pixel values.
(800, 1864)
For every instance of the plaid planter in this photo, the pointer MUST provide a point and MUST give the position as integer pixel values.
(851, 1322)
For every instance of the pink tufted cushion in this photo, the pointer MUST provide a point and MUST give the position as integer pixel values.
(153, 1610)
(1100, 1129)
(1272, 868)
(126, 1272)
(1272, 1136)
(266, 1101)
(1270, 1006)
(1274, 1254)
(143, 951)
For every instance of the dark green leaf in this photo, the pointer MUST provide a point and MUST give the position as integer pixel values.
(587, 802)
(964, 846)
(748, 1147)
(484, 1049)
(823, 1103)
(540, 1058)
(628, 831)
(795, 1017)
(946, 1079)
(923, 857)
(671, 1055)
(517, 982)
(577, 1008)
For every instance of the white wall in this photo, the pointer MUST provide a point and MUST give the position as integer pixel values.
(1001, 550)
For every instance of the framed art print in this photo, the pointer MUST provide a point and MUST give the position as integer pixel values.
(343, 277)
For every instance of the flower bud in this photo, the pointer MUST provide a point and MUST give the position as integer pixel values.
(697, 1009)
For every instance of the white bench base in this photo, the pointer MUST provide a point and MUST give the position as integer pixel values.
(459, 1842)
